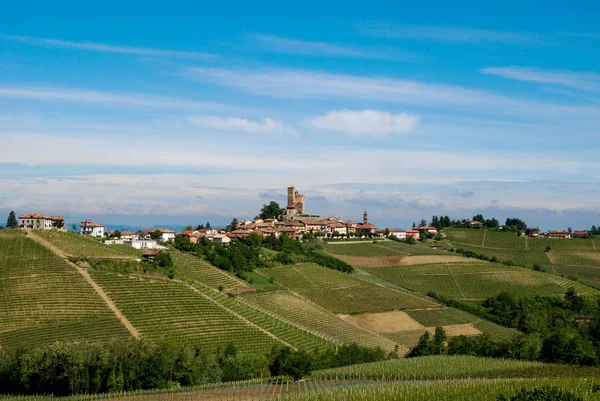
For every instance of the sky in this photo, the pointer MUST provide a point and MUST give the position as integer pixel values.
(185, 112)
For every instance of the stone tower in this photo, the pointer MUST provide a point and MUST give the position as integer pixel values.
(365, 218)
(295, 202)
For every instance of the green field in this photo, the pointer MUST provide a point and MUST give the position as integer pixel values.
(577, 259)
(164, 309)
(203, 272)
(475, 280)
(361, 249)
(43, 299)
(74, 244)
(342, 293)
(311, 317)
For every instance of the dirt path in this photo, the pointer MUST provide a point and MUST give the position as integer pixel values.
(484, 236)
(552, 262)
(594, 244)
(134, 332)
(456, 281)
(526, 243)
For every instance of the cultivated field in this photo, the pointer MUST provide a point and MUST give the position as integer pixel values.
(313, 318)
(475, 280)
(577, 259)
(203, 272)
(164, 309)
(73, 244)
(342, 293)
(44, 299)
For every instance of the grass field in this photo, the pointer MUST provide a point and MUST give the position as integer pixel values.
(43, 299)
(361, 249)
(475, 280)
(74, 244)
(163, 309)
(574, 258)
(203, 272)
(313, 318)
(342, 293)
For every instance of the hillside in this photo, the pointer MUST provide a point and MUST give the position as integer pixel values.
(575, 259)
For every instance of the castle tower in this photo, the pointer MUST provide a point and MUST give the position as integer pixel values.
(291, 197)
(365, 218)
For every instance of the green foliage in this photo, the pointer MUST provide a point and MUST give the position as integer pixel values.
(156, 234)
(11, 222)
(272, 210)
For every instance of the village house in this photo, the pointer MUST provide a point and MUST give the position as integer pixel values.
(221, 239)
(290, 232)
(166, 235)
(128, 235)
(412, 234)
(144, 244)
(532, 232)
(426, 229)
(88, 227)
(336, 226)
(561, 234)
(37, 221)
(351, 226)
(472, 224)
(580, 234)
(192, 235)
(400, 234)
(314, 226)
(297, 225)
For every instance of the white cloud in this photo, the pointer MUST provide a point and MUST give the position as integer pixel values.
(588, 81)
(284, 45)
(448, 34)
(365, 122)
(106, 48)
(236, 124)
(284, 83)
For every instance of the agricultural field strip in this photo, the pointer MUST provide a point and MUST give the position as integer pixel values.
(73, 244)
(323, 322)
(44, 296)
(200, 270)
(165, 308)
(109, 302)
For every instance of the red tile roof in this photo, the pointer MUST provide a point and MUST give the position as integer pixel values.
(40, 216)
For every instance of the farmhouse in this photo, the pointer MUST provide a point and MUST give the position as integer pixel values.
(472, 224)
(532, 232)
(426, 229)
(562, 234)
(580, 234)
(128, 235)
(400, 234)
(88, 227)
(36, 221)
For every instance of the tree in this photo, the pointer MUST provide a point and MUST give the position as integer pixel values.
(439, 341)
(234, 225)
(156, 234)
(74, 228)
(423, 223)
(189, 228)
(208, 225)
(270, 211)
(479, 218)
(11, 222)
(492, 223)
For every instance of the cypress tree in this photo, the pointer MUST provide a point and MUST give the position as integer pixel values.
(11, 222)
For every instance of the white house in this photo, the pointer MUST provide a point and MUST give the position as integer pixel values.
(36, 221)
(400, 234)
(166, 235)
(144, 244)
(221, 239)
(88, 227)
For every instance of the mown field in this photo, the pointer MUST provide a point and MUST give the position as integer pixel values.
(341, 293)
(576, 259)
(74, 244)
(43, 299)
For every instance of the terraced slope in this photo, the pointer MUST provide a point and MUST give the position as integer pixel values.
(313, 318)
(73, 244)
(160, 308)
(476, 280)
(44, 299)
(203, 272)
(341, 293)
(577, 259)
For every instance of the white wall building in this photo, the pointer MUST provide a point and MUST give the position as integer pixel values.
(88, 227)
(36, 221)
(400, 234)
(144, 244)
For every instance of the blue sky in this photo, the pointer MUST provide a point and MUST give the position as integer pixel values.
(146, 114)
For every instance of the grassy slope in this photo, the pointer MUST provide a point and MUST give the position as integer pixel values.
(74, 244)
(342, 293)
(43, 299)
(578, 259)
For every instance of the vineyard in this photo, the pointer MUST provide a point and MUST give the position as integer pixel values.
(576, 259)
(341, 293)
(43, 299)
(311, 317)
(203, 272)
(163, 309)
(475, 280)
(73, 244)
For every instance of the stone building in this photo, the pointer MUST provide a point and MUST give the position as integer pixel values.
(296, 203)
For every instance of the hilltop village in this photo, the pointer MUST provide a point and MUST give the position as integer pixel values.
(293, 221)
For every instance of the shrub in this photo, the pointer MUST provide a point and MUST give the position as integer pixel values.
(545, 393)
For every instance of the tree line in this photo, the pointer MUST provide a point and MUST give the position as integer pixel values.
(67, 368)
(552, 329)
